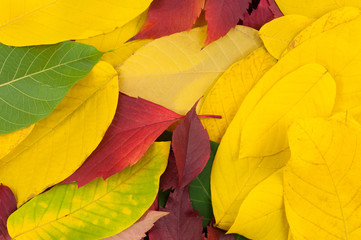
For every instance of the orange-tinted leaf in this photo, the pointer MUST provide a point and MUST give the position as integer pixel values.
(7, 206)
(136, 125)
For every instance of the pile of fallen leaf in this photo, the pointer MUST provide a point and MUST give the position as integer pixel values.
(165, 119)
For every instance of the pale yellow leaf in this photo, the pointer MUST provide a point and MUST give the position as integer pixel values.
(312, 8)
(262, 214)
(60, 143)
(322, 179)
(175, 71)
(9, 141)
(278, 34)
(50, 21)
(228, 92)
(117, 38)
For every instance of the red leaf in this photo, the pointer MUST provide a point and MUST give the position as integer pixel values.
(274, 8)
(261, 15)
(222, 15)
(170, 16)
(191, 147)
(7, 206)
(136, 125)
(181, 223)
(169, 178)
(217, 234)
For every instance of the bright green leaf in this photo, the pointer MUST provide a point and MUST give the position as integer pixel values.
(97, 210)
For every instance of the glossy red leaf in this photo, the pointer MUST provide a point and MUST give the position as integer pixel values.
(222, 15)
(191, 147)
(7, 206)
(261, 15)
(181, 222)
(166, 17)
(136, 125)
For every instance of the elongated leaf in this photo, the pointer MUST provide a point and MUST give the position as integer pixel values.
(322, 186)
(97, 210)
(200, 190)
(269, 109)
(228, 92)
(35, 79)
(49, 21)
(176, 70)
(136, 125)
(60, 143)
(9, 141)
(7, 206)
(262, 214)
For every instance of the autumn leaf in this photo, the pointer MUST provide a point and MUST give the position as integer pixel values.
(48, 22)
(222, 15)
(99, 209)
(259, 16)
(175, 71)
(217, 234)
(190, 143)
(181, 222)
(9, 141)
(7, 206)
(35, 79)
(169, 179)
(166, 17)
(67, 136)
(136, 125)
(322, 184)
(138, 229)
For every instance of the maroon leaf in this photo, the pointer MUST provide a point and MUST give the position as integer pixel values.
(169, 178)
(222, 15)
(7, 206)
(217, 234)
(191, 147)
(274, 8)
(170, 16)
(136, 125)
(261, 15)
(181, 222)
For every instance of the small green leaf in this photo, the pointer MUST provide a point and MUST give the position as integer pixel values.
(97, 210)
(200, 190)
(33, 80)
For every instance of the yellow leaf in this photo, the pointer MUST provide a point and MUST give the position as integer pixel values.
(266, 112)
(60, 143)
(278, 34)
(9, 141)
(118, 56)
(175, 71)
(313, 8)
(322, 179)
(50, 21)
(262, 214)
(228, 92)
(117, 38)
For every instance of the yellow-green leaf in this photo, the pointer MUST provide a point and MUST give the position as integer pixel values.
(313, 8)
(322, 179)
(262, 214)
(228, 92)
(10, 140)
(60, 143)
(278, 34)
(117, 38)
(97, 210)
(48, 21)
(175, 71)
(267, 111)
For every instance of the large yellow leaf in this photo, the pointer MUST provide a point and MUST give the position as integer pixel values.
(228, 92)
(60, 143)
(278, 34)
(270, 107)
(322, 179)
(262, 214)
(9, 141)
(176, 70)
(51, 21)
(312, 8)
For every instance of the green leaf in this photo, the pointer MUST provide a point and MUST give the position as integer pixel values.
(200, 190)
(97, 210)
(33, 80)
